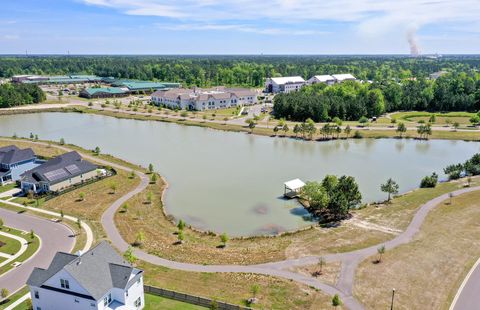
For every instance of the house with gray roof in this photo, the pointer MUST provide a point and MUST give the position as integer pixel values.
(15, 161)
(98, 279)
(58, 173)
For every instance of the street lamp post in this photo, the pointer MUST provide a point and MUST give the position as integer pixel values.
(393, 296)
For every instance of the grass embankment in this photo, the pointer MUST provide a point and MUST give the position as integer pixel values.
(161, 238)
(426, 272)
(153, 302)
(235, 288)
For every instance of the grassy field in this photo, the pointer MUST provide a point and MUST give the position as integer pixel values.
(235, 288)
(426, 272)
(441, 118)
(7, 187)
(153, 302)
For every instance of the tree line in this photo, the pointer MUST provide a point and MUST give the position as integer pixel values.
(204, 71)
(352, 100)
(20, 94)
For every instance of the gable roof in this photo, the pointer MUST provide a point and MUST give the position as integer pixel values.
(104, 90)
(288, 79)
(98, 270)
(12, 154)
(59, 169)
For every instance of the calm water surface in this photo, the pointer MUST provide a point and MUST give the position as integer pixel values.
(233, 182)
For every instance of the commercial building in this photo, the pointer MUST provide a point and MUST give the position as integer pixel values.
(58, 173)
(204, 99)
(284, 84)
(327, 79)
(104, 92)
(98, 279)
(144, 86)
(14, 162)
(339, 78)
(63, 79)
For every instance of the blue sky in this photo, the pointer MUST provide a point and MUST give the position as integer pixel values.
(239, 27)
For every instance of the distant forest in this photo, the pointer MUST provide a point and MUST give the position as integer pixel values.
(250, 71)
(353, 100)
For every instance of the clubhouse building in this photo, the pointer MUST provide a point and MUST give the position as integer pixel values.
(204, 99)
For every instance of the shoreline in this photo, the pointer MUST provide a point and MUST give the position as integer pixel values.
(365, 132)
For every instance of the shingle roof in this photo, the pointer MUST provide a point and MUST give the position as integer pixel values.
(59, 169)
(12, 154)
(98, 270)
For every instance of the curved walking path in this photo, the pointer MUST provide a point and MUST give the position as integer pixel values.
(349, 260)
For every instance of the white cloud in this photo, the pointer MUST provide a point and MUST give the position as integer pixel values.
(237, 27)
(369, 16)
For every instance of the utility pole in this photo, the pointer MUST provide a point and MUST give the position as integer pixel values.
(393, 296)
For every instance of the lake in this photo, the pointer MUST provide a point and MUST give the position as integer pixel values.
(233, 182)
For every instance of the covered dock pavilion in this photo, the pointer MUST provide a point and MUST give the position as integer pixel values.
(292, 188)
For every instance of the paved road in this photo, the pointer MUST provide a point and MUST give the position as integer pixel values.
(468, 295)
(54, 237)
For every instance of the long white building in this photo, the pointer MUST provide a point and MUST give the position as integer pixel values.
(284, 84)
(204, 99)
(327, 79)
(99, 279)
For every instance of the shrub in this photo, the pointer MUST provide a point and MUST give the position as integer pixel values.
(357, 135)
(429, 181)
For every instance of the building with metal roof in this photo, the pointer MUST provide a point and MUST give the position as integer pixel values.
(144, 86)
(104, 92)
(98, 279)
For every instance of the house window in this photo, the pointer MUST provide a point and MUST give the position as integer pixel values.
(37, 296)
(107, 300)
(77, 301)
(64, 284)
(38, 308)
(138, 302)
(92, 304)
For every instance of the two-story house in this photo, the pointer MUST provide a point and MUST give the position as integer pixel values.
(98, 279)
(14, 162)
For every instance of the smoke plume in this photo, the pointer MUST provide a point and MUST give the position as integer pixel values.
(412, 41)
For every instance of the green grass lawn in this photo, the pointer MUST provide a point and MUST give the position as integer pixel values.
(11, 246)
(441, 118)
(153, 302)
(31, 249)
(11, 299)
(7, 187)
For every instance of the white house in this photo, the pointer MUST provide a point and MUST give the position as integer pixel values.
(339, 78)
(327, 79)
(14, 162)
(98, 279)
(284, 84)
(204, 99)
